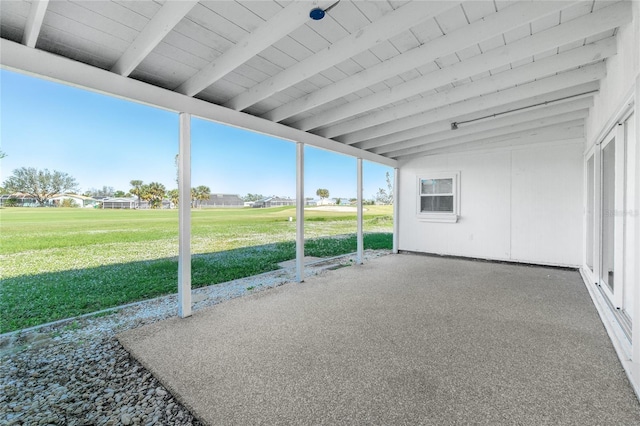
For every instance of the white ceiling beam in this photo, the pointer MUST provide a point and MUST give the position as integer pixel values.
(478, 31)
(501, 81)
(34, 22)
(397, 131)
(152, 34)
(570, 94)
(46, 65)
(573, 116)
(597, 22)
(280, 25)
(391, 24)
(572, 132)
(492, 123)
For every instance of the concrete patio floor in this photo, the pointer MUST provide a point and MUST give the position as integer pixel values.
(403, 339)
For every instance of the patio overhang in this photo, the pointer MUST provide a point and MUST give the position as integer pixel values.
(392, 82)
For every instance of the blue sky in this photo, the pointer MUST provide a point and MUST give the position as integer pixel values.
(104, 141)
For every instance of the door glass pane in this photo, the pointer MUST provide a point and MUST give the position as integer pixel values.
(608, 213)
(590, 223)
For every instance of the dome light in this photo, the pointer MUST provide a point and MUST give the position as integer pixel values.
(317, 14)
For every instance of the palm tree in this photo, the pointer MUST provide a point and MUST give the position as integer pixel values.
(194, 197)
(322, 193)
(136, 187)
(174, 196)
(202, 193)
(153, 193)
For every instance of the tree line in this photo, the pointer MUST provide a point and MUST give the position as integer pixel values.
(42, 185)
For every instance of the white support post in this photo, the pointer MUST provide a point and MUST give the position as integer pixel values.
(359, 238)
(184, 217)
(396, 209)
(300, 212)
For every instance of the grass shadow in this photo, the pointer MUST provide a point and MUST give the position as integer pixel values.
(30, 300)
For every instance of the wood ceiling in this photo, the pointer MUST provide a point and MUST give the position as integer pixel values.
(393, 78)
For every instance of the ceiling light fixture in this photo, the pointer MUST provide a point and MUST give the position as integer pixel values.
(317, 14)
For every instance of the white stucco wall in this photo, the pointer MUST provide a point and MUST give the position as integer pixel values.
(520, 204)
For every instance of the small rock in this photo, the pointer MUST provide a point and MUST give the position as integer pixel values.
(125, 419)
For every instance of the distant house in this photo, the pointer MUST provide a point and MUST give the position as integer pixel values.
(17, 199)
(120, 203)
(222, 200)
(274, 202)
(79, 200)
(20, 199)
(326, 202)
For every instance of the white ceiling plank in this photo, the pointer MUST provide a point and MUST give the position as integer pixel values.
(594, 23)
(491, 132)
(160, 25)
(529, 114)
(486, 29)
(375, 33)
(83, 13)
(17, 57)
(521, 75)
(475, 10)
(273, 30)
(395, 129)
(117, 12)
(571, 132)
(34, 22)
(545, 23)
(452, 20)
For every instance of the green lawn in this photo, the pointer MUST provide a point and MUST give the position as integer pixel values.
(59, 263)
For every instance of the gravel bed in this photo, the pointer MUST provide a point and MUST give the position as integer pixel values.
(75, 372)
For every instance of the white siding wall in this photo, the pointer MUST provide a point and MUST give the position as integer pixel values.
(521, 205)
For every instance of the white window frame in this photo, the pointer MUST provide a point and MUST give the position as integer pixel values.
(446, 217)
